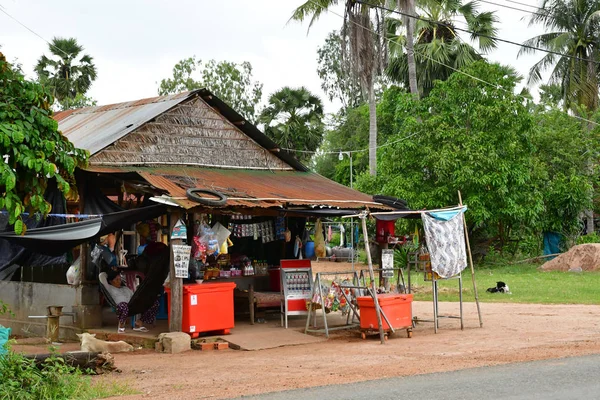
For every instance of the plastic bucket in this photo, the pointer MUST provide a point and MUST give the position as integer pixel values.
(309, 249)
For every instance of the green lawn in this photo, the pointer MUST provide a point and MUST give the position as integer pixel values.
(527, 284)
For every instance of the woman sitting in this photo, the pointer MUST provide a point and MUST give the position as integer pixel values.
(121, 295)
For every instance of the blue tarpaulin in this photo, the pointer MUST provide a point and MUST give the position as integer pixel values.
(551, 243)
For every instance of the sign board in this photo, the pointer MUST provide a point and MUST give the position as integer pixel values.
(387, 263)
(181, 257)
(179, 231)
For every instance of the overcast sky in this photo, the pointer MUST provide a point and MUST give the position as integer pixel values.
(136, 43)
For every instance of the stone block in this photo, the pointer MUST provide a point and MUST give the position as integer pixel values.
(175, 342)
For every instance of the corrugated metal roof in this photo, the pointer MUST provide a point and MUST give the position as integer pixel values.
(94, 128)
(251, 188)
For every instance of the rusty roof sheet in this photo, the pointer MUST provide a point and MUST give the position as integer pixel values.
(94, 128)
(251, 188)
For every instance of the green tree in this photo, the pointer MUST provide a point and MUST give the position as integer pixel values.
(439, 50)
(336, 81)
(33, 149)
(565, 181)
(66, 74)
(573, 30)
(294, 120)
(230, 81)
(465, 136)
(367, 53)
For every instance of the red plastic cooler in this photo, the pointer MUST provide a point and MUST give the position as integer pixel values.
(397, 308)
(207, 307)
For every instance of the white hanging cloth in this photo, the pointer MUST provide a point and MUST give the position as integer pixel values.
(342, 231)
(445, 238)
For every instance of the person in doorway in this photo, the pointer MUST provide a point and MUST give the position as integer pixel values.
(106, 244)
(143, 229)
(121, 295)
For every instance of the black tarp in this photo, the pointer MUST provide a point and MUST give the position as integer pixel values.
(13, 255)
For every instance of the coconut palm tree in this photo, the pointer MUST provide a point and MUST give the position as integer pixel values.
(439, 50)
(573, 29)
(408, 7)
(66, 73)
(294, 120)
(363, 31)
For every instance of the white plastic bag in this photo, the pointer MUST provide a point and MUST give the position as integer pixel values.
(74, 273)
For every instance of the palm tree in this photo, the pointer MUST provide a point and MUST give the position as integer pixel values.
(362, 31)
(294, 120)
(439, 50)
(66, 74)
(408, 7)
(574, 29)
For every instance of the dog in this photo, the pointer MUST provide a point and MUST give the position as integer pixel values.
(89, 343)
(501, 287)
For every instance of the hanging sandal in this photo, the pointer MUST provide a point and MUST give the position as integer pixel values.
(140, 329)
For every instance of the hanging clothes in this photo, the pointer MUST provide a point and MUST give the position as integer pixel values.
(356, 235)
(445, 239)
(329, 234)
(342, 235)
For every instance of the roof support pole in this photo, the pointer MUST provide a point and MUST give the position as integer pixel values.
(176, 304)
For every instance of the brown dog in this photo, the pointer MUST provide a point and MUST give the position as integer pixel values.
(91, 344)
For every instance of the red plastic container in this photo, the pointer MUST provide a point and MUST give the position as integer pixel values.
(384, 230)
(207, 307)
(397, 308)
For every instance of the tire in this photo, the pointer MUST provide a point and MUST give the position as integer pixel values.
(391, 201)
(215, 199)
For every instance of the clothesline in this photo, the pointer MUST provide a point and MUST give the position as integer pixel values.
(411, 212)
(82, 216)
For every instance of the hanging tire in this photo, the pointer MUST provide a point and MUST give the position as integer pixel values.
(214, 198)
(390, 201)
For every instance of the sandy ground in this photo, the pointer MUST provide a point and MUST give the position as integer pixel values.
(510, 333)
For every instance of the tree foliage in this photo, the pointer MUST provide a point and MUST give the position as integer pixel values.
(294, 120)
(573, 29)
(67, 75)
(472, 137)
(230, 81)
(333, 70)
(439, 50)
(33, 149)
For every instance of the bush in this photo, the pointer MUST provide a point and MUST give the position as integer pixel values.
(21, 379)
(589, 238)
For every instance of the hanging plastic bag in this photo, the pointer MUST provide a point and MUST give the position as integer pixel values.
(74, 273)
(320, 250)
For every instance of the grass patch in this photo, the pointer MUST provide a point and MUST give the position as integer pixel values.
(526, 283)
(101, 390)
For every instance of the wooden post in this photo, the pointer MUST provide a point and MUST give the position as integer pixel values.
(84, 248)
(176, 306)
(471, 262)
(363, 218)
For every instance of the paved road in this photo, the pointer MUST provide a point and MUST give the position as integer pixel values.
(566, 378)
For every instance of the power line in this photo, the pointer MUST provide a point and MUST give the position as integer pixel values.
(32, 31)
(475, 33)
(522, 4)
(512, 8)
(457, 70)
(350, 151)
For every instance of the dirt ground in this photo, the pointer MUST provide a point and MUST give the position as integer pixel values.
(510, 333)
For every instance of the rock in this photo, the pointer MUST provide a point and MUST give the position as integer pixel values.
(575, 269)
(174, 342)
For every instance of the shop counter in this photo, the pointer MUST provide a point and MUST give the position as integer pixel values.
(207, 307)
